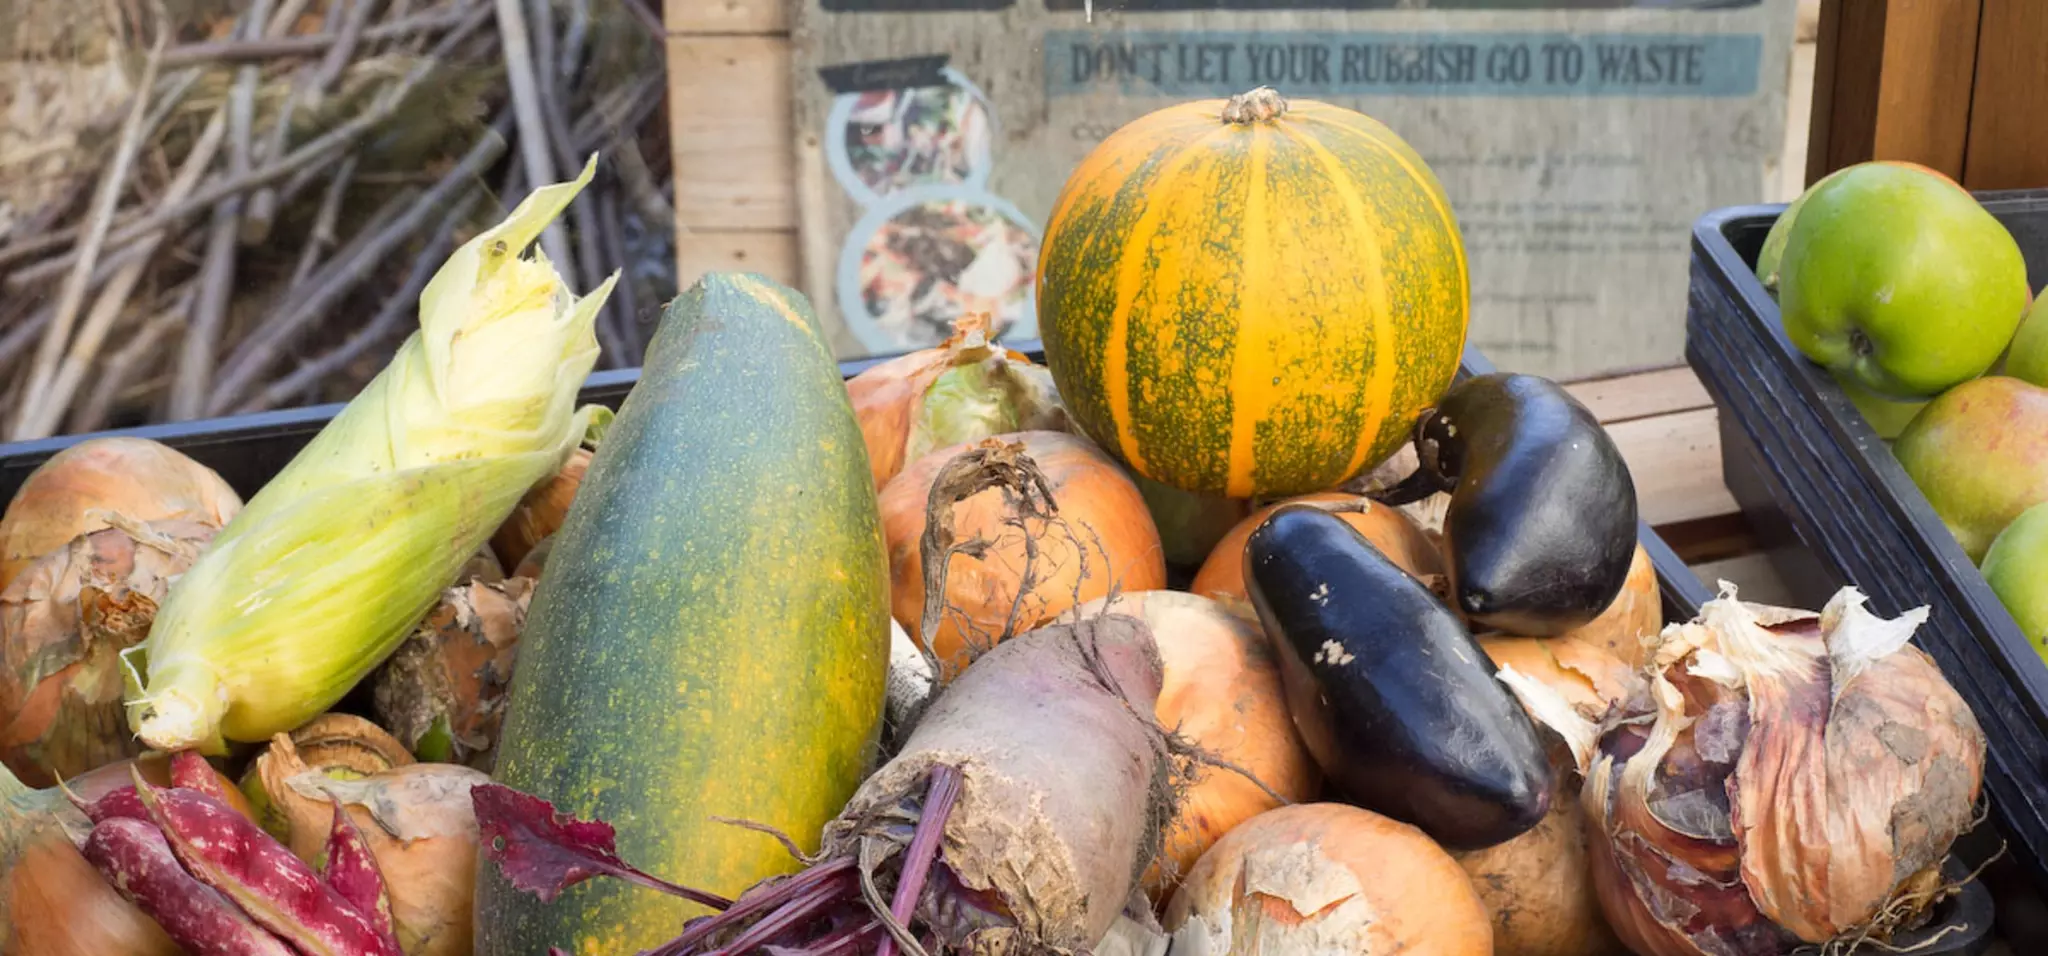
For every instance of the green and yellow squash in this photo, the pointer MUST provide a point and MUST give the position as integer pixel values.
(1252, 297)
(710, 635)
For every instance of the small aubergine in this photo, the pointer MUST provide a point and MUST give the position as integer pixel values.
(1391, 694)
(1541, 525)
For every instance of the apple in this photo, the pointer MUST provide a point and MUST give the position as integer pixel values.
(1900, 281)
(1979, 453)
(2017, 567)
(1774, 243)
(2027, 358)
(1886, 416)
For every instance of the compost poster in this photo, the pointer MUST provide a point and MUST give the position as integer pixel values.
(1578, 141)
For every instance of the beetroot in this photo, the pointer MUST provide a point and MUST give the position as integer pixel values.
(1018, 817)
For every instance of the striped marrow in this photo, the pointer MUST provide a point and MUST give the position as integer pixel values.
(1252, 297)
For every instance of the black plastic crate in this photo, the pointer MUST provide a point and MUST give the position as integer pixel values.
(246, 450)
(1820, 485)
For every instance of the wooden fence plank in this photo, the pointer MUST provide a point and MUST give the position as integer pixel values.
(735, 163)
(2008, 114)
(770, 253)
(726, 16)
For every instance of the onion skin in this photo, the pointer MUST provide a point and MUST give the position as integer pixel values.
(136, 478)
(541, 512)
(1800, 770)
(1222, 693)
(63, 625)
(889, 398)
(1387, 528)
(453, 672)
(1539, 886)
(1103, 538)
(1319, 878)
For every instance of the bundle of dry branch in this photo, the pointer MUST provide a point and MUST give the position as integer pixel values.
(211, 207)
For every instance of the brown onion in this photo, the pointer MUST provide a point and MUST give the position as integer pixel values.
(542, 511)
(342, 746)
(136, 478)
(1539, 886)
(1632, 619)
(1796, 775)
(1221, 693)
(1102, 539)
(1315, 879)
(420, 826)
(442, 693)
(1390, 530)
(965, 389)
(63, 625)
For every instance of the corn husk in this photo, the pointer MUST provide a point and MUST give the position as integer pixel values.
(331, 565)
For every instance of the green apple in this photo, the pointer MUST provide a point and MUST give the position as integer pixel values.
(2027, 358)
(1979, 453)
(1887, 417)
(2017, 567)
(1900, 281)
(1774, 243)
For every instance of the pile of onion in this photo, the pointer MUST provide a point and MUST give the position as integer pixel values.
(1789, 778)
(64, 622)
(965, 389)
(1314, 879)
(442, 693)
(541, 512)
(74, 492)
(1221, 693)
(1021, 566)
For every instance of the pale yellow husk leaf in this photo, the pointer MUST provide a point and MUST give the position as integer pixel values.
(335, 560)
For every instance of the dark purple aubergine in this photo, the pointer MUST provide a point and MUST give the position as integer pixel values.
(1391, 694)
(1541, 526)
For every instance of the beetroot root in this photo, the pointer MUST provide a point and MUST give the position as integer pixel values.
(1018, 816)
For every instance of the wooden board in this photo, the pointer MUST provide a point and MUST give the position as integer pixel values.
(772, 254)
(726, 16)
(1888, 82)
(1642, 395)
(734, 155)
(2008, 147)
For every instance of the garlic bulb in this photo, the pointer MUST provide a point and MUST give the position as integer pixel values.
(1790, 777)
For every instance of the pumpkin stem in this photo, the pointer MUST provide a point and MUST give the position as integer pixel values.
(1261, 105)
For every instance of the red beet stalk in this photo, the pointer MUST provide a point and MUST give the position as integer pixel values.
(136, 859)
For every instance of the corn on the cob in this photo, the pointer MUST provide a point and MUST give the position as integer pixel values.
(335, 560)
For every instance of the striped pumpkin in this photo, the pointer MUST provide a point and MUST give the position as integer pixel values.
(1252, 297)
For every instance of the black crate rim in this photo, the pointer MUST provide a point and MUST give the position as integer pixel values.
(1876, 464)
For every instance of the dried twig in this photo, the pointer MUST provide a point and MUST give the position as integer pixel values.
(122, 366)
(439, 244)
(540, 167)
(647, 18)
(261, 350)
(323, 237)
(52, 402)
(638, 182)
(257, 51)
(72, 296)
(217, 269)
(613, 235)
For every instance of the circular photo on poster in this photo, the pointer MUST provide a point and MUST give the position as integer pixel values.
(882, 142)
(926, 256)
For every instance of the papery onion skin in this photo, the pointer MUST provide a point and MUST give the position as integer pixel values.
(1000, 391)
(1101, 540)
(135, 478)
(1321, 878)
(1801, 768)
(541, 512)
(63, 624)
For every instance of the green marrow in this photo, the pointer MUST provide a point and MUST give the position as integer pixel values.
(710, 635)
